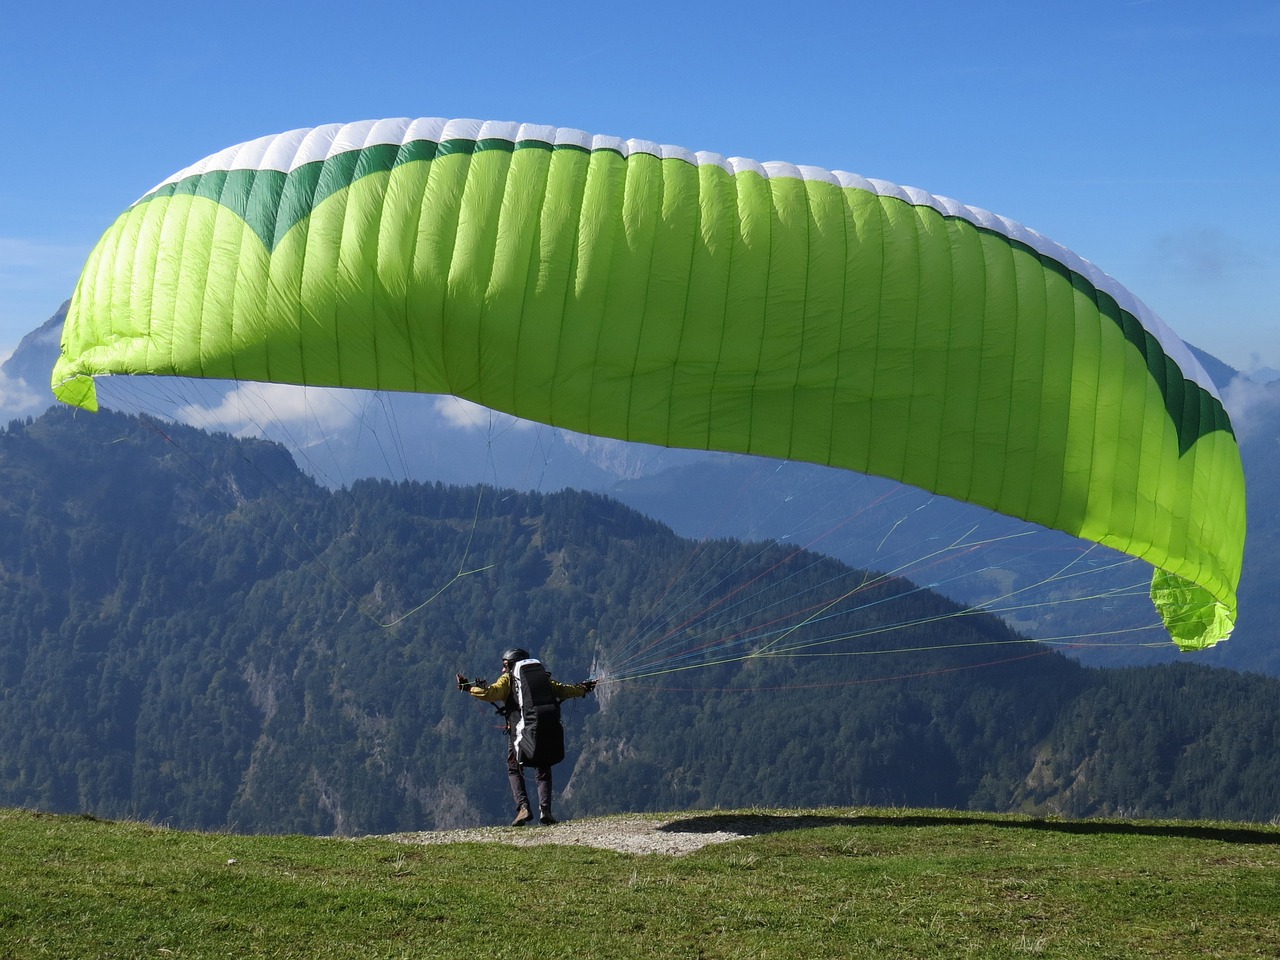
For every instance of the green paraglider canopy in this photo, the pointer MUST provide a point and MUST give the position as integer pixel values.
(644, 292)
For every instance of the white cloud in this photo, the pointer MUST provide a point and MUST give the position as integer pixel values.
(17, 398)
(465, 415)
(260, 409)
(1250, 403)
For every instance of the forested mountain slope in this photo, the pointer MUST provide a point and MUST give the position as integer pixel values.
(193, 632)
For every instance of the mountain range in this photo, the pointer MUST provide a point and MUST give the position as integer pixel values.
(193, 632)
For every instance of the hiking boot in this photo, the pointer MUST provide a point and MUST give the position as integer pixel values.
(523, 816)
(546, 817)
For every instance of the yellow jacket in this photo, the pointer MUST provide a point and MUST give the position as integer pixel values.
(500, 690)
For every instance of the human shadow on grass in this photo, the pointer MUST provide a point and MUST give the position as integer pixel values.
(754, 824)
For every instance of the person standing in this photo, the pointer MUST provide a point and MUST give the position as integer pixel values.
(529, 700)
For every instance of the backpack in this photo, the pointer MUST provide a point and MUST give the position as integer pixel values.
(539, 737)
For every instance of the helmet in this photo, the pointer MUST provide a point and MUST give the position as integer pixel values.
(515, 655)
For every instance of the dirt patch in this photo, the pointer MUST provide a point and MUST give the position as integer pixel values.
(630, 834)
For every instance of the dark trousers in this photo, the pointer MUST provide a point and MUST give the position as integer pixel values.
(515, 773)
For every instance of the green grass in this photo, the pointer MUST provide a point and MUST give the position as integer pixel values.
(806, 885)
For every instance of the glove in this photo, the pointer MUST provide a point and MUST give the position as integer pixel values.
(463, 682)
(589, 684)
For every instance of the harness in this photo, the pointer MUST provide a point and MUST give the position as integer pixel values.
(537, 736)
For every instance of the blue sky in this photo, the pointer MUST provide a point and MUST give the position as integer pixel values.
(1144, 135)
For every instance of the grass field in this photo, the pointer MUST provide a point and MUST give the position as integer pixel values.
(846, 884)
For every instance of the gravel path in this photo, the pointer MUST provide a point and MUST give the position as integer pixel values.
(630, 833)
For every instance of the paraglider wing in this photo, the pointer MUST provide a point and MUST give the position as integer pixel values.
(644, 292)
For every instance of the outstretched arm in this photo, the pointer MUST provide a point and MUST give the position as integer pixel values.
(494, 692)
(567, 691)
